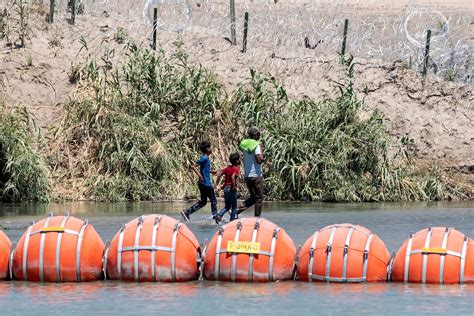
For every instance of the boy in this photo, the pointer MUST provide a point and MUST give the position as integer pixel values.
(206, 189)
(230, 174)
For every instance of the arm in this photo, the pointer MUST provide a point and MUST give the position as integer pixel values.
(234, 182)
(196, 171)
(259, 154)
(219, 176)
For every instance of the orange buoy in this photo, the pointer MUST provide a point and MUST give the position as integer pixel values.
(343, 253)
(250, 249)
(435, 255)
(153, 248)
(59, 249)
(5, 248)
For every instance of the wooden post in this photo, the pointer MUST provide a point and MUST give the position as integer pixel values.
(344, 37)
(233, 37)
(155, 24)
(427, 53)
(51, 11)
(246, 29)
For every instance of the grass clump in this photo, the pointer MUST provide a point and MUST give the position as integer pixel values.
(23, 174)
(136, 124)
(327, 151)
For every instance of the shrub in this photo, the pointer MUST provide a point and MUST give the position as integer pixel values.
(23, 174)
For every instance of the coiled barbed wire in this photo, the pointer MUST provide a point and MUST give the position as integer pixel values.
(286, 29)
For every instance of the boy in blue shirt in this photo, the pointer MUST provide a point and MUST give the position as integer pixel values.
(206, 189)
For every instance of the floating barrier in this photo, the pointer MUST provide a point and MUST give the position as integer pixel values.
(250, 249)
(5, 248)
(59, 249)
(343, 253)
(153, 248)
(435, 255)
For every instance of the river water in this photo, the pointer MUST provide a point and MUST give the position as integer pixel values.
(392, 222)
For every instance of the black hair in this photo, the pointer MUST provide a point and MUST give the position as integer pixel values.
(204, 146)
(234, 158)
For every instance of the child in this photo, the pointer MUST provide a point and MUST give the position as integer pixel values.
(230, 174)
(206, 189)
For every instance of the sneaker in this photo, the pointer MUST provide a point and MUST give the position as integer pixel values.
(217, 218)
(185, 216)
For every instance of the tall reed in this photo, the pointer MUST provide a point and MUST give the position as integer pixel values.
(23, 173)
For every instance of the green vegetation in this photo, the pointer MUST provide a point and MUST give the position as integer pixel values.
(23, 174)
(135, 128)
(14, 23)
(137, 125)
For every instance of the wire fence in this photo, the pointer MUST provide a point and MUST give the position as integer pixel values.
(301, 31)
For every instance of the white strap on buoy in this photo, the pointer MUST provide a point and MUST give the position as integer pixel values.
(104, 258)
(58, 248)
(345, 253)
(135, 251)
(276, 231)
(173, 251)
(425, 256)
(153, 251)
(463, 260)
(443, 256)
(251, 257)
(218, 253)
(119, 251)
(311, 256)
(368, 243)
(234, 255)
(329, 252)
(41, 250)
(25, 251)
(407, 259)
(78, 250)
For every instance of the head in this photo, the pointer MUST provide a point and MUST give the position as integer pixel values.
(254, 133)
(205, 147)
(234, 159)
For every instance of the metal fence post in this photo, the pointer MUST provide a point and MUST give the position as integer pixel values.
(72, 7)
(155, 22)
(246, 29)
(51, 11)
(427, 53)
(344, 37)
(233, 36)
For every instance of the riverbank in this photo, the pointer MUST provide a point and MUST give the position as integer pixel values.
(421, 127)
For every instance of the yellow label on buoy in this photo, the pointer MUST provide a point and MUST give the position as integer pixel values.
(52, 229)
(243, 247)
(441, 251)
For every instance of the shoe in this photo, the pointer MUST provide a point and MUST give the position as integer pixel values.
(185, 216)
(217, 218)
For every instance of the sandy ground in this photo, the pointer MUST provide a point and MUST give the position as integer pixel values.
(436, 114)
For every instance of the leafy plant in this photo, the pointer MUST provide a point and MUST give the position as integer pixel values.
(120, 35)
(23, 174)
(450, 74)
